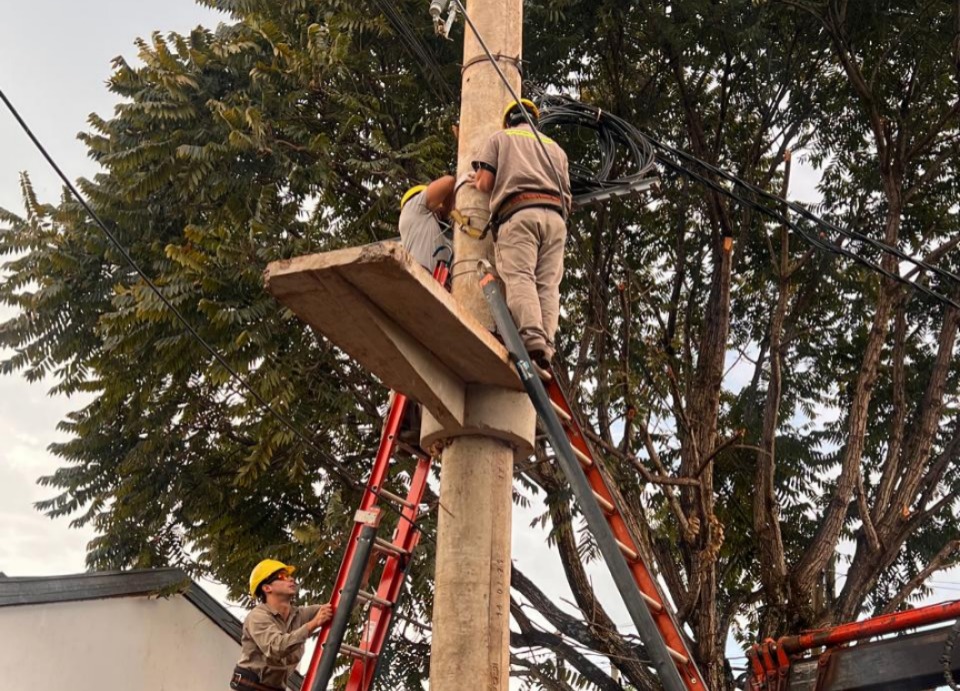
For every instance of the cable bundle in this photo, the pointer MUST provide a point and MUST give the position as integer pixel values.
(623, 147)
(626, 157)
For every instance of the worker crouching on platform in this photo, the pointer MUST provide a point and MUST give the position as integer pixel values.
(275, 631)
(424, 231)
(529, 186)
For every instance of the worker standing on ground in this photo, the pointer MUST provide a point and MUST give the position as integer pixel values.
(275, 631)
(424, 211)
(529, 186)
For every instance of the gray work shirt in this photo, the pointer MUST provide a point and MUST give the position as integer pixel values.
(519, 165)
(421, 233)
(271, 646)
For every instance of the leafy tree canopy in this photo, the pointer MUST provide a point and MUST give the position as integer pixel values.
(294, 127)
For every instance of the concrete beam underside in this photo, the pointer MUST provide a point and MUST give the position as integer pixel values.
(386, 312)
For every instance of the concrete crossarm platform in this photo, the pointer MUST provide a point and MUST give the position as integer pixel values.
(386, 312)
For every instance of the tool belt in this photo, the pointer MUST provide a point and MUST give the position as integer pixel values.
(247, 680)
(524, 200)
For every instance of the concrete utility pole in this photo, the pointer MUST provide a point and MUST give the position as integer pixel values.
(471, 613)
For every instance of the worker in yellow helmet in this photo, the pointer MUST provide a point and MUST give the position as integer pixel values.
(424, 231)
(275, 631)
(529, 186)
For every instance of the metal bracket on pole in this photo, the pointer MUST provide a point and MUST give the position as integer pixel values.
(607, 542)
(607, 193)
(440, 25)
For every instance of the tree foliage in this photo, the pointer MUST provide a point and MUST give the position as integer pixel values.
(813, 403)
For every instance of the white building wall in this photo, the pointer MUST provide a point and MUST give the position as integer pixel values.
(126, 644)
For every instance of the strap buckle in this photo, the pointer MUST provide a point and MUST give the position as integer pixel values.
(463, 223)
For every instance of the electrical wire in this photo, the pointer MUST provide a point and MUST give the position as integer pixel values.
(807, 214)
(626, 156)
(623, 146)
(810, 238)
(330, 463)
(417, 49)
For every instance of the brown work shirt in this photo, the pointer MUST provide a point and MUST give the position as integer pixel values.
(519, 165)
(271, 646)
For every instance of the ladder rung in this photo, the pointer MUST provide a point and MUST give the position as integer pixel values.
(396, 499)
(357, 652)
(387, 547)
(651, 603)
(561, 413)
(679, 658)
(414, 451)
(604, 504)
(628, 551)
(373, 599)
(584, 459)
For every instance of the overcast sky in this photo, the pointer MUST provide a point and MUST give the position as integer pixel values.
(54, 61)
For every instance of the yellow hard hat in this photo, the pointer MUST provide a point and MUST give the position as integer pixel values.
(526, 103)
(409, 193)
(264, 570)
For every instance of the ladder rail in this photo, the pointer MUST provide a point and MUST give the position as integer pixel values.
(624, 578)
(405, 538)
(369, 501)
(357, 554)
(327, 664)
(645, 580)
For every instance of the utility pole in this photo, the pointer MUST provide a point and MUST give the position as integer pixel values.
(471, 616)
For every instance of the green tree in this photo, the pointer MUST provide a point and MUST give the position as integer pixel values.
(294, 128)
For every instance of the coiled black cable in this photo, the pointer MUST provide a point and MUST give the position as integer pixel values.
(625, 155)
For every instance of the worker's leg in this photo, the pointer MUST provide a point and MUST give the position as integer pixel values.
(516, 250)
(553, 236)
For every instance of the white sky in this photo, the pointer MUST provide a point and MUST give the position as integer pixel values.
(54, 61)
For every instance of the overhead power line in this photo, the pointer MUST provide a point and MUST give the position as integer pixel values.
(615, 136)
(626, 157)
(811, 238)
(417, 49)
(807, 214)
(330, 463)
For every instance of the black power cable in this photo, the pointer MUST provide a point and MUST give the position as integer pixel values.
(615, 137)
(330, 463)
(807, 214)
(626, 156)
(417, 49)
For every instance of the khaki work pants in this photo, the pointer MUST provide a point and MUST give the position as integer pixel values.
(529, 254)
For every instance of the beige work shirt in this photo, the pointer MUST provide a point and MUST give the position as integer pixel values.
(272, 647)
(519, 165)
(422, 234)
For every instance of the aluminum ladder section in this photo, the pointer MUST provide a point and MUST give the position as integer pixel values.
(638, 587)
(363, 547)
